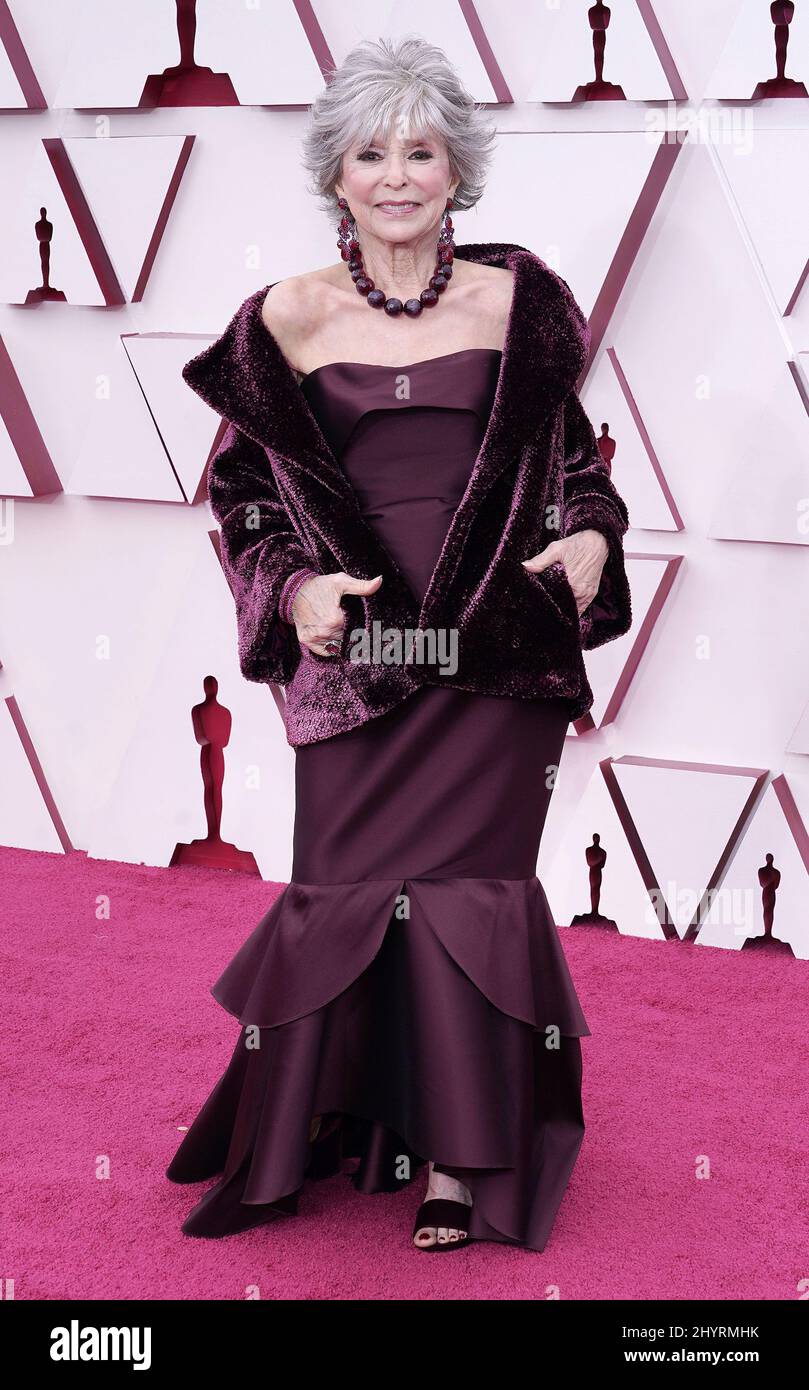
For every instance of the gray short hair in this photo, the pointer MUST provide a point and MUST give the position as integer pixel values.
(406, 81)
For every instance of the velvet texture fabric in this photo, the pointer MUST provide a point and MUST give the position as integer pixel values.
(284, 503)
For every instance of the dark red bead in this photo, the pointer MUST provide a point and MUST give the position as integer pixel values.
(393, 307)
(343, 251)
(446, 271)
(376, 298)
(355, 263)
(364, 285)
(428, 298)
(353, 246)
(446, 255)
(413, 307)
(438, 283)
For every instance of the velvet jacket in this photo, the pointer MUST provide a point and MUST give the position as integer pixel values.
(284, 503)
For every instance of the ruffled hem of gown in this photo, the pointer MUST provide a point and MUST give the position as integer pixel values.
(421, 1018)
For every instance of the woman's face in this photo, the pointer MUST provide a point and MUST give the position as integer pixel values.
(397, 189)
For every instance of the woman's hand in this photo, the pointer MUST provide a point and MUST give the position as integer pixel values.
(583, 555)
(316, 609)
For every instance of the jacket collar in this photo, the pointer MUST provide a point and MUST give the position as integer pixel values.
(244, 376)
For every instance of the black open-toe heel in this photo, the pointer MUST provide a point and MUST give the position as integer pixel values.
(441, 1211)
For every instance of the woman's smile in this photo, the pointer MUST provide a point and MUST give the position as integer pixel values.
(397, 209)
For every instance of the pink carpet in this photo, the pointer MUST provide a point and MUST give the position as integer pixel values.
(112, 1043)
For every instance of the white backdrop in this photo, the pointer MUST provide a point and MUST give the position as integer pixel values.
(688, 254)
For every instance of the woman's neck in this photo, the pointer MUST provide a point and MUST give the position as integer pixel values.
(401, 269)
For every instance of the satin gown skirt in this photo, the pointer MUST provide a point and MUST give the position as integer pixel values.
(409, 985)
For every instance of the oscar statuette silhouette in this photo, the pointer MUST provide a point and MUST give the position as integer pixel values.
(781, 13)
(606, 447)
(599, 90)
(212, 723)
(44, 235)
(596, 857)
(769, 878)
(187, 84)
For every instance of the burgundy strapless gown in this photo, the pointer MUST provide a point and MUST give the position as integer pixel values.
(409, 984)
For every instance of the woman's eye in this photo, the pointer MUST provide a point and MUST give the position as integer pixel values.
(374, 154)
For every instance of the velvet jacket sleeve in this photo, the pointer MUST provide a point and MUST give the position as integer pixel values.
(260, 552)
(591, 500)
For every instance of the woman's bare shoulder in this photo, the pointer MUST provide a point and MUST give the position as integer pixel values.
(496, 281)
(293, 307)
(489, 290)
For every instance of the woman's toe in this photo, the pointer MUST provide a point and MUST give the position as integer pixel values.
(425, 1235)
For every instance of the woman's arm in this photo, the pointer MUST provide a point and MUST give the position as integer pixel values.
(592, 501)
(290, 589)
(260, 552)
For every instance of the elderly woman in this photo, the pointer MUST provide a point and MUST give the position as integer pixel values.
(421, 537)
